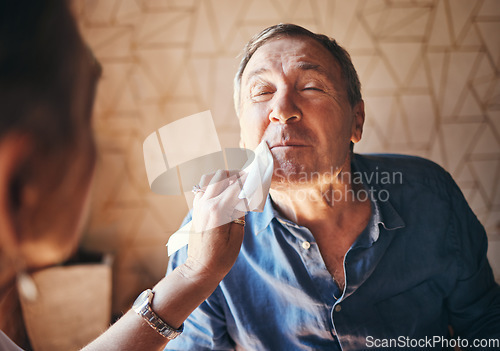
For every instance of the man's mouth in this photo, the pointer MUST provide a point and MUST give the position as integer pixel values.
(288, 145)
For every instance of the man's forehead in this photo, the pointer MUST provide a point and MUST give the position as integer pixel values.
(302, 52)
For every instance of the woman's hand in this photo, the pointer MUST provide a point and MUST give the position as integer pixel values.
(215, 241)
(214, 245)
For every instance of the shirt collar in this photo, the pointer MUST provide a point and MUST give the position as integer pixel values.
(269, 212)
(383, 211)
(388, 215)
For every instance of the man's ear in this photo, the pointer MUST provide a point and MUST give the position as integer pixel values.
(358, 121)
(16, 155)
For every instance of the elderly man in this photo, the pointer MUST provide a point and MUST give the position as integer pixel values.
(351, 252)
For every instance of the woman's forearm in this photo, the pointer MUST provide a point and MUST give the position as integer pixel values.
(176, 296)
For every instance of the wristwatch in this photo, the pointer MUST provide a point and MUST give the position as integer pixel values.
(142, 305)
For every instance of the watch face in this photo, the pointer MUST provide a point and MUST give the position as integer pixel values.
(141, 301)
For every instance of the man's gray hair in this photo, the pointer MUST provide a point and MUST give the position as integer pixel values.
(349, 73)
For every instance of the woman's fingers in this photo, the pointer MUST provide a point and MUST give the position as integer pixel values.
(216, 205)
(215, 183)
(216, 177)
(229, 196)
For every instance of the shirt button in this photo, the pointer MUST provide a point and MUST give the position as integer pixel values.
(306, 245)
(338, 308)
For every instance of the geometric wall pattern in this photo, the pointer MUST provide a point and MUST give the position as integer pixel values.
(430, 77)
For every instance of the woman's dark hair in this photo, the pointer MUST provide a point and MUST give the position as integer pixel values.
(40, 50)
(48, 79)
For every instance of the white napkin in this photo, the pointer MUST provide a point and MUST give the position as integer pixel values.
(254, 191)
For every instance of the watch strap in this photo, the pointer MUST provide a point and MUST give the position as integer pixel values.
(158, 324)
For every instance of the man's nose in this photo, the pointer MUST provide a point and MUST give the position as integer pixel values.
(285, 110)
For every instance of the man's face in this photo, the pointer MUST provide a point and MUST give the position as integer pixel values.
(293, 96)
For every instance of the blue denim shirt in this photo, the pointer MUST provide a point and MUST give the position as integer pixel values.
(419, 266)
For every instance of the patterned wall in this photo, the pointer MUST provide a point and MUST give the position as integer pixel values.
(430, 75)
